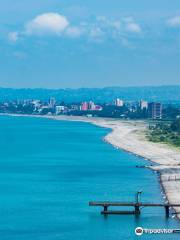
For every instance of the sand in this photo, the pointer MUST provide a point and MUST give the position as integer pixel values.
(131, 136)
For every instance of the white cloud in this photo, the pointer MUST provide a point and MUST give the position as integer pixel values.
(116, 25)
(13, 36)
(133, 27)
(109, 23)
(127, 24)
(47, 23)
(99, 29)
(96, 34)
(74, 31)
(174, 22)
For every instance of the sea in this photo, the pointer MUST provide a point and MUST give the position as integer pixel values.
(50, 170)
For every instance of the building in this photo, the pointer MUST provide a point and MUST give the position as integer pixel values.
(74, 107)
(92, 106)
(84, 106)
(143, 105)
(155, 110)
(52, 102)
(37, 104)
(60, 109)
(118, 102)
(98, 108)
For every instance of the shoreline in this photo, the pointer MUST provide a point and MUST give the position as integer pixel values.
(129, 135)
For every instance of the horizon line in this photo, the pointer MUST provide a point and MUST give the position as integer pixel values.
(81, 88)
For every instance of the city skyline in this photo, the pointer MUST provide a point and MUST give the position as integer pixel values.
(117, 108)
(52, 44)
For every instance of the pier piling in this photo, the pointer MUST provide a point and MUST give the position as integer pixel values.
(167, 211)
(137, 210)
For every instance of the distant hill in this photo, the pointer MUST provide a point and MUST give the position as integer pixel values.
(162, 93)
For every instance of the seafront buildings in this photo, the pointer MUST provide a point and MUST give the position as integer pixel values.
(143, 104)
(60, 110)
(90, 106)
(84, 106)
(115, 109)
(118, 102)
(155, 110)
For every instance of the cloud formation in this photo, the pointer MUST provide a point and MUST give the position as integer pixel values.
(47, 23)
(174, 22)
(74, 31)
(97, 29)
(96, 33)
(13, 36)
(132, 26)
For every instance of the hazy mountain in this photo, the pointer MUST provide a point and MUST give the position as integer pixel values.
(161, 93)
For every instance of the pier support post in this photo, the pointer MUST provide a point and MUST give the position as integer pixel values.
(137, 210)
(167, 211)
(105, 209)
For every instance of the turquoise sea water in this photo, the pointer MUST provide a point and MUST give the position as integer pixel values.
(50, 170)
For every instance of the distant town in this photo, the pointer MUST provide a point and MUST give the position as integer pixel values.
(163, 119)
(115, 109)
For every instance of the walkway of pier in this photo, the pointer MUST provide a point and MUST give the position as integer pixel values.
(137, 205)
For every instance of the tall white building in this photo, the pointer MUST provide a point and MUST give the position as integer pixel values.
(52, 102)
(118, 102)
(143, 104)
(92, 105)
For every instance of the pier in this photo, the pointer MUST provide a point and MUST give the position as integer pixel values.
(137, 205)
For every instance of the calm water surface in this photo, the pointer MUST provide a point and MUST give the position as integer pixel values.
(50, 170)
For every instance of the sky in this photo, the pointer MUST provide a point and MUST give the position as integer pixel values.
(90, 43)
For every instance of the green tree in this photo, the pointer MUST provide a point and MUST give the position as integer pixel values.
(175, 126)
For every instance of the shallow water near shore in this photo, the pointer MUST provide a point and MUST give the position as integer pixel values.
(50, 170)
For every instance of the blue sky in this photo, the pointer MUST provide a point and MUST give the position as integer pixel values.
(71, 44)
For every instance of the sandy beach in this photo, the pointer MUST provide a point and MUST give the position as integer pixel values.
(130, 136)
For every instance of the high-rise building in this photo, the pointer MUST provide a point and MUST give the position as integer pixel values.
(52, 102)
(84, 106)
(118, 102)
(92, 105)
(155, 110)
(143, 105)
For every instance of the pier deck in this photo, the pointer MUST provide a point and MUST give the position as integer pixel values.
(137, 207)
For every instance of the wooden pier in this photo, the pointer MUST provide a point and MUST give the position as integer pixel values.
(137, 205)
